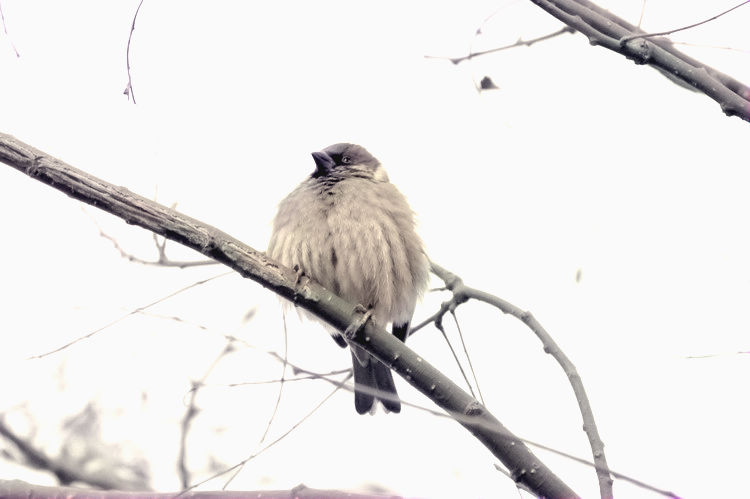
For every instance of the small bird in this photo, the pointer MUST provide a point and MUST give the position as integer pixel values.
(348, 228)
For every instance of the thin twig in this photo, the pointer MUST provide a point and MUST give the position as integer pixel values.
(306, 377)
(163, 260)
(129, 88)
(238, 467)
(191, 412)
(350, 388)
(439, 325)
(643, 11)
(468, 357)
(5, 29)
(715, 47)
(662, 33)
(714, 355)
(518, 43)
(132, 312)
(281, 381)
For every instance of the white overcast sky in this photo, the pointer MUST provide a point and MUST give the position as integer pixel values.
(580, 161)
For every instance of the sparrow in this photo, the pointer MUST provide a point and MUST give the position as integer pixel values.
(351, 230)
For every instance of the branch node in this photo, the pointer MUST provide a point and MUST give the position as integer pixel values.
(36, 166)
(473, 409)
(518, 475)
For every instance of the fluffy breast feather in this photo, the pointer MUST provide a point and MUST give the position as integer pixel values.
(357, 238)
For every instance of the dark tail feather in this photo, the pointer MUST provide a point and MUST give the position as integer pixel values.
(373, 381)
(375, 377)
(384, 379)
(363, 378)
(401, 331)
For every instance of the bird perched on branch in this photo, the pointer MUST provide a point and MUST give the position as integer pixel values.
(348, 228)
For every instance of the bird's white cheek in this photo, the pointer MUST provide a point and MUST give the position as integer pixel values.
(380, 174)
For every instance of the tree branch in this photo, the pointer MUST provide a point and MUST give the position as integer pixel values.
(610, 31)
(523, 465)
(64, 472)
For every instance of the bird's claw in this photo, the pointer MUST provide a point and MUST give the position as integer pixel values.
(357, 325)
(300, 281)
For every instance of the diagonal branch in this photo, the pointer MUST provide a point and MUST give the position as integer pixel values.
(523, 465)
(610, 31)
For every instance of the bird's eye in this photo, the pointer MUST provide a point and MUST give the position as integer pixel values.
(346, 160)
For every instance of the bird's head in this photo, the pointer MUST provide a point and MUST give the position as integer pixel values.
(346, 160)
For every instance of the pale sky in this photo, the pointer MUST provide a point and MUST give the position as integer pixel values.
(580, 161)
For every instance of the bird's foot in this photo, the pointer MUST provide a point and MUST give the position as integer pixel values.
(359, 322)
(300, 282)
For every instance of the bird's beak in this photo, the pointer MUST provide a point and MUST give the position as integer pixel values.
(323, 161)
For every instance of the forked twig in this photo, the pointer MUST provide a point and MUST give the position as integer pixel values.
(463, 293)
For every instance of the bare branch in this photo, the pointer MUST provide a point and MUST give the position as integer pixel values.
(519, 43)
(610, 31)
(123, 317)
(129, 88)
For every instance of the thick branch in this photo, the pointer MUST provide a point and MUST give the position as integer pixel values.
(608, 30)
(524, 466)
